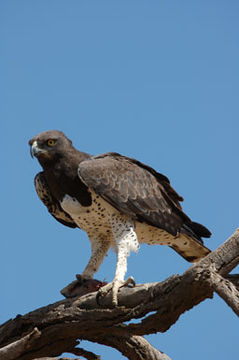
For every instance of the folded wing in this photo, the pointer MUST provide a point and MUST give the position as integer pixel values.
(135, 189)
(50, 202)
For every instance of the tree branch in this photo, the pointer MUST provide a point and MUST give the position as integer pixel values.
(86, 354)
(226, 290)
(61, 358)
(234, 279)
(132, 346)
(17, 348)
(61, 324)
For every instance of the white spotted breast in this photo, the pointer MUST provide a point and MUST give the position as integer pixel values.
(93, 218)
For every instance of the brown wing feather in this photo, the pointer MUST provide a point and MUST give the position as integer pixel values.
(134, 189)
(50, 202)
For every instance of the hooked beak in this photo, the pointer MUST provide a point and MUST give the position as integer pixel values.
(34, 149)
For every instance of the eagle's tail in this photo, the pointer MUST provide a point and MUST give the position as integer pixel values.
(192, 249)
(195, 230)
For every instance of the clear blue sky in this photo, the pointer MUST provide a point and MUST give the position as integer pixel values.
(155, 80)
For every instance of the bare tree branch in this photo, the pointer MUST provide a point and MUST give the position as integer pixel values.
(132, 346)
(17, 348)
(61, 358)
(226, 290)
(86, 354)
(63, 323)
(234, 279)
(76, 351)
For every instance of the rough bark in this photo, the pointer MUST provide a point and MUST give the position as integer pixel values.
(48, 332)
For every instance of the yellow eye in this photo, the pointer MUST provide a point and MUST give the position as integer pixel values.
(51, 142)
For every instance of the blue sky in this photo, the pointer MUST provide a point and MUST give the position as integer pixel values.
(155, 80)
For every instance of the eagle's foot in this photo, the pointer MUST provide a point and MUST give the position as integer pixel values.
(114, 286)
(81, 286)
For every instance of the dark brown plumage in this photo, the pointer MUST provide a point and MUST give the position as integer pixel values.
(117, 200)
(138, 191)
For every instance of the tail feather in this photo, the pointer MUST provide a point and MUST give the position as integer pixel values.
(195, 230)
(193, 249)
(200, 230)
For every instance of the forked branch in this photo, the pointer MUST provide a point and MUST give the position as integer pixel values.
(55, 329)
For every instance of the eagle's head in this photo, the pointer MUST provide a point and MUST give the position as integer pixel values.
(49, 146)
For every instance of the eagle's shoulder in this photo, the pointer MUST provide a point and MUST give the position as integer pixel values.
(53, 206)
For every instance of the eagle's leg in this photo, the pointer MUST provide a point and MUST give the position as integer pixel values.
(99, 248)
(125, 241)
(85, 282)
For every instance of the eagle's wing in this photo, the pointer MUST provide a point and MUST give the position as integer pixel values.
(134, 189)
(50, 202)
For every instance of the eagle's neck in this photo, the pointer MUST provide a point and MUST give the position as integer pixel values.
(62, 177)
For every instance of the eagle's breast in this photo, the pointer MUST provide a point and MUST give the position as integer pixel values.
(95, 219)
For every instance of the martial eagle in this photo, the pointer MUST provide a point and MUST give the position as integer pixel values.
(119, 202)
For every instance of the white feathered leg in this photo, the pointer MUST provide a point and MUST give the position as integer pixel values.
(99, 248)
(125, 241)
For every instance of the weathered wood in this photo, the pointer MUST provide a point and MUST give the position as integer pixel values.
(16, 348)
(60, 325)
(61, 358)
(226, 290)
(76, 351)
